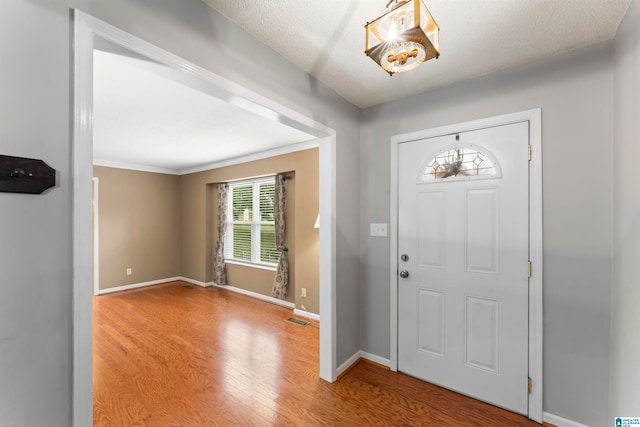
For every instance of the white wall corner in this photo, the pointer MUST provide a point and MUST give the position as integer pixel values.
(362, 355)
(138, 285)
(348, 363)
(196, 282)
(376, 359)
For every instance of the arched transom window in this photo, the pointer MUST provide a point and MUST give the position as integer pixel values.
(459, 162)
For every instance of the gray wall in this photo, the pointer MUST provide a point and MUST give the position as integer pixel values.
(35, 271)
(35, 254)
(625, 299)
(574, 91)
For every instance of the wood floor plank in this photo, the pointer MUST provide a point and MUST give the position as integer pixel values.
(173, 356)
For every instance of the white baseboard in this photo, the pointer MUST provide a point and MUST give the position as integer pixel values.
(137, 285)
(376, 359)
(346, 365)
(306, 314)
(257, 295)
(362, 355)
(559, 421)
(206, 285)
(196, 282)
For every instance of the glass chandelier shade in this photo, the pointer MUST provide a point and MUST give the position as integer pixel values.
(403, 36)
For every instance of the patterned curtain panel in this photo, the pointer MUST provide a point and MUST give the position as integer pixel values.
(281, 281)
(219, 266)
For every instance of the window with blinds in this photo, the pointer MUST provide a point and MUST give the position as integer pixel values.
(251, 228)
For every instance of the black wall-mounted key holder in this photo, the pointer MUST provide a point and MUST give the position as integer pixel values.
(22, 175)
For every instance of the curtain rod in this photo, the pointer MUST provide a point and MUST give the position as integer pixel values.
(287, 175)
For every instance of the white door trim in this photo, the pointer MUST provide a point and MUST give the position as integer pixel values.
(534, 117)
(86, 29)
(96, 235)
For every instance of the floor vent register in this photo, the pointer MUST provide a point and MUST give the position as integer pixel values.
(297, 321)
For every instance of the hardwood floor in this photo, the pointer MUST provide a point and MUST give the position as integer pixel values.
(173, 356)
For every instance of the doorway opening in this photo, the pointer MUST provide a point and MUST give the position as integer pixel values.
(87, 32)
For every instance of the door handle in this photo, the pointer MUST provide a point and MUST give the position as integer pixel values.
(404, 274)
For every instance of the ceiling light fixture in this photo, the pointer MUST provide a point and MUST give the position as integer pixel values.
(403, 36)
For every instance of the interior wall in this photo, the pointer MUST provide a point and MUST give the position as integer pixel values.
(199, 225)
(574, 91)
(139, 225)
(36, 314)
(625, 299)
(35, 271)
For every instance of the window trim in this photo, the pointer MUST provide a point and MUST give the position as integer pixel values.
(256, 226)
(261, 266)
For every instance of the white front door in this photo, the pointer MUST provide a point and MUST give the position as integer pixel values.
(463, 239)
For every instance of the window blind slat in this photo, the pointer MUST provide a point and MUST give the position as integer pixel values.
(267, 196)
(268, 251)
(242, 201)
(242, 241)
(251, 229)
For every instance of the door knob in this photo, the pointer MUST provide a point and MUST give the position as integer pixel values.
(404, 274)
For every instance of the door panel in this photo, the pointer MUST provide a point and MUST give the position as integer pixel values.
(431, 228)
(481, 226)
(431, 322)
(482, 334)
(463, 221)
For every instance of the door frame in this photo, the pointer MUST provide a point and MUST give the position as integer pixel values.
(86, 29)
(534, 117)
(96, 235)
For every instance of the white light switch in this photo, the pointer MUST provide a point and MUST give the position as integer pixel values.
(378, 230)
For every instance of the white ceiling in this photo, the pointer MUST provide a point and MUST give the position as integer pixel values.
(326, 38)
(143, 120)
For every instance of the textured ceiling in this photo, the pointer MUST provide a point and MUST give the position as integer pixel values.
(326, 38)
(142, 119)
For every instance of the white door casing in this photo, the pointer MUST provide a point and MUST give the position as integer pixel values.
(482, 347)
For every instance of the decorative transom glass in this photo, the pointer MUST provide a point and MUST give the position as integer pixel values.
(459, 163)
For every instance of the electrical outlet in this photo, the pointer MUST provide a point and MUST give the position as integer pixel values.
(378, 230)
(303, 292)
(129, 272)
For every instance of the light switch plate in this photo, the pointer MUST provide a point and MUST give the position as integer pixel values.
(378, 230)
